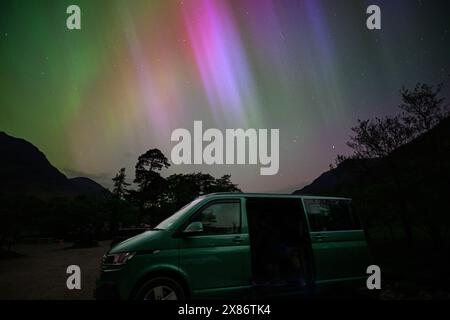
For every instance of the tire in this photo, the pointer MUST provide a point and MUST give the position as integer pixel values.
(160, 288)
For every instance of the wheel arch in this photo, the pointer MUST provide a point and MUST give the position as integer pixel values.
(164, 272)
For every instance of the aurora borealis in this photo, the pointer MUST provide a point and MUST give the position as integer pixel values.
(94, 99)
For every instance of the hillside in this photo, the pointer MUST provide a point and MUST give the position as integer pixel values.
(24, 169)
(423, 159)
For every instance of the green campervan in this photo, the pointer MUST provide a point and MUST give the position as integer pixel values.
(238, 245)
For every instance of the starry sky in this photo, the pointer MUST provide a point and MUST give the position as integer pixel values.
(94, 99)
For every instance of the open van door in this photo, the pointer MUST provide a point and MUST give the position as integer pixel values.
(280, 246)
(338, 242)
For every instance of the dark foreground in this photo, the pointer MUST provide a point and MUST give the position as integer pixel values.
(39, 272)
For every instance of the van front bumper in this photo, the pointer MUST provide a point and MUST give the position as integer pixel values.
(107, 285)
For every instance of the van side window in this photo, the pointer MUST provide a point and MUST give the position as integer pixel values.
(331, 215)
(220, 218)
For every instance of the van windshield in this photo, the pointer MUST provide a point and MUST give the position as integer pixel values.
(166, 224)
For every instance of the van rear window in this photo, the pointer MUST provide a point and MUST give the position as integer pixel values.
(331, 215)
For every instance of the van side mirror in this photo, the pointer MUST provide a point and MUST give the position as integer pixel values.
(193, 227)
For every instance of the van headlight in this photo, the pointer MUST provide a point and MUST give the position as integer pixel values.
(117, 259)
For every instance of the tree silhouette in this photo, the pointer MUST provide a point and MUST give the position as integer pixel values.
(224, 184)
(183, 188)
(423, 107)
(17, 214)
(148, 164)
(120, 184)
(151, 185)
(157, 197)
(378, 137)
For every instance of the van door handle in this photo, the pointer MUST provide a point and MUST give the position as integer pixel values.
(237, 239)
(318, 237)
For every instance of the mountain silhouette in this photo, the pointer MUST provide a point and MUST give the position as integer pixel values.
(349, 171)
(87, 185)
(24, 169)
(421, 163)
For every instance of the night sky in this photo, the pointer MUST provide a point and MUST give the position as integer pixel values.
(94, 99)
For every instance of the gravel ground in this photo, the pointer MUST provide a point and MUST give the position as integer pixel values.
(41, 272)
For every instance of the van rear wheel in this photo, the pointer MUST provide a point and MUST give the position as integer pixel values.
(160, 288)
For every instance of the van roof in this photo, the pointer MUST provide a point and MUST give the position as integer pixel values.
(267, 195)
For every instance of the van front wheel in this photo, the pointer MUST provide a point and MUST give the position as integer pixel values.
(160, 288)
